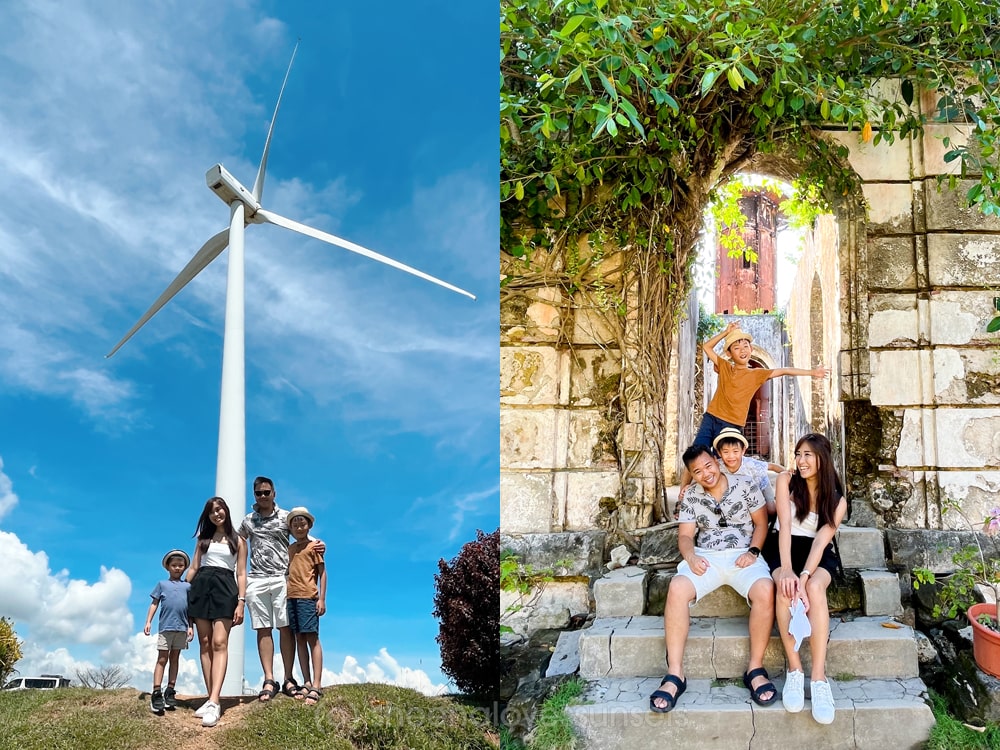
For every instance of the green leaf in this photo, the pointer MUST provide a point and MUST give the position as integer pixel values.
(608, 86)
(572, 25)
(907, 90)
(519, 190)
(707, 80)
(994, 325)
(735, 79)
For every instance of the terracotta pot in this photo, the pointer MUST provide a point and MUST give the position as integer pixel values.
(985, 642)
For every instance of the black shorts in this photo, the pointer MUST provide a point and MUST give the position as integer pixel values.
(213, 594)
(801, 547)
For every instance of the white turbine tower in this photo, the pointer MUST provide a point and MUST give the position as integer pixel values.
(245, 207)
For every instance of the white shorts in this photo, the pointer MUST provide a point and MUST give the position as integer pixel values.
(722, 571)
(266, 602)
(171, 640)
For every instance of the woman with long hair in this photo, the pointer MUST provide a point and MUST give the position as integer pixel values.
(810, 505)
(218, 577)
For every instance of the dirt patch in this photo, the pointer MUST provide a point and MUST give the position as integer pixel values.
(185, 731)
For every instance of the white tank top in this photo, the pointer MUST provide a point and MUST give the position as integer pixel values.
(218, 556)
(808, 527)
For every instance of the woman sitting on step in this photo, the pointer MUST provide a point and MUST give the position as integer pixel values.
(810, 505)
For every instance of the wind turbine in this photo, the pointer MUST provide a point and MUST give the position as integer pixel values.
(245, 208)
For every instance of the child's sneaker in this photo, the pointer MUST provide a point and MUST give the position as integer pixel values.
(170, 698)
(156, 704)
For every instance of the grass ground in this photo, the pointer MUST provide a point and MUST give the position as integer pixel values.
(350, 717)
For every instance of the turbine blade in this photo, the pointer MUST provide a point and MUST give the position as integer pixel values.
(258, 184)
(281, 221)
(209, 252)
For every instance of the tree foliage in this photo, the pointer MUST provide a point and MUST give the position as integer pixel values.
(10, 649)
(466, 601)
(619, 118)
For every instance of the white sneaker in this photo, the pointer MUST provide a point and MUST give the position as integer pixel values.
(200, 712)
(793, 696)
(211, 717)
(822, 702)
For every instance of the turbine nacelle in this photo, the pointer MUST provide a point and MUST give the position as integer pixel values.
(229, 189)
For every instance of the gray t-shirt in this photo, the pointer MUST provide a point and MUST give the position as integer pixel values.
(267, 537)
(739, 500)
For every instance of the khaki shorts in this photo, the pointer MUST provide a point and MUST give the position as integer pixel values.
(172, 640)
(266, 602)
(722, 571)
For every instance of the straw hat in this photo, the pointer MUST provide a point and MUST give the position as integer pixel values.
(299, 511)
(177, 553)
(737, 335)
(733, 434)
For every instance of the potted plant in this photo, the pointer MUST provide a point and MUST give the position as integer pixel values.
(974, 566)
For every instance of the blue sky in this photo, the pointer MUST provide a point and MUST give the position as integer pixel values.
(371, 395)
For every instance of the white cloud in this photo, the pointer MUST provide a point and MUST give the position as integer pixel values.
(7, 497)
(57, 609)
(384, 669)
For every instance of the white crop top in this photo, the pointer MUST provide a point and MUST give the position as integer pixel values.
(808, 527)
(218, 556)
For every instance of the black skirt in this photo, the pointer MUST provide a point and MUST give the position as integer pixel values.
(213, 594)
(801, 547)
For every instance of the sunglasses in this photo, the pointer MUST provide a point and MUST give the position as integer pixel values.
(723, 522)
(262, 493)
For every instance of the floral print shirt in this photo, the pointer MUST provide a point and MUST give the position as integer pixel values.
(740, 499)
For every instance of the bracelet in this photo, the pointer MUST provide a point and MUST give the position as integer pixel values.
(241, 598)
(805, 572)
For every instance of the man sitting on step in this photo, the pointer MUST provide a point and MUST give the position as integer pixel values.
(723, 524)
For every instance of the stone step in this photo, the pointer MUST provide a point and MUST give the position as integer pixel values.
(718, 648)
(879, 714)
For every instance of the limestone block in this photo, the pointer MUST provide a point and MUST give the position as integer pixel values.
(934, 148)
(925, 548)
(527, 502)
(888, 388)
(659, 546)
(544, 314)
(528, 438)
(861, 547)
(575, 553)
(975, 492)
(588, 441)
(966, 376)
(552, 608)
(566, 658)
(583, 496)
(723, 602)
(961, 318)
(594, 376)
(536, 316)
(882, 163)
(947, 211)
(593, 325)
(621, 593)
(890, 207)
(894, 326)
(529, 375)
(880, 593)
(963, 259)
(958, 437)
(890, 263)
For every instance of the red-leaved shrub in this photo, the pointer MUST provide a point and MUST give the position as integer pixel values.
(467, 602)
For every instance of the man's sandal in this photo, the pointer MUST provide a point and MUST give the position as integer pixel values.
(767, 687)
(291, 689)
(267, 691)
(671, 700)
(313, 696)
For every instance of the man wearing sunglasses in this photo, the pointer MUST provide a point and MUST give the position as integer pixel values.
(723, 524)
(266, 532)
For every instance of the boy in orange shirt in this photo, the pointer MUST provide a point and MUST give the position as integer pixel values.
(306, 600)
(737, 384)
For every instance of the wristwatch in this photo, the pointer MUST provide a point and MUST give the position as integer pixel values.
(755, 551)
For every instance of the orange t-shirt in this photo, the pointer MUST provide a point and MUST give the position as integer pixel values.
(736, 388)
(302, 570)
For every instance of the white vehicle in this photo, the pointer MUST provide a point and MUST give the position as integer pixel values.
(44, 682)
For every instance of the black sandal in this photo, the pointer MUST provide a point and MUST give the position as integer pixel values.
(267, 693)
(767, 687)
(313, 696)
(291, 689)
(671, 700)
